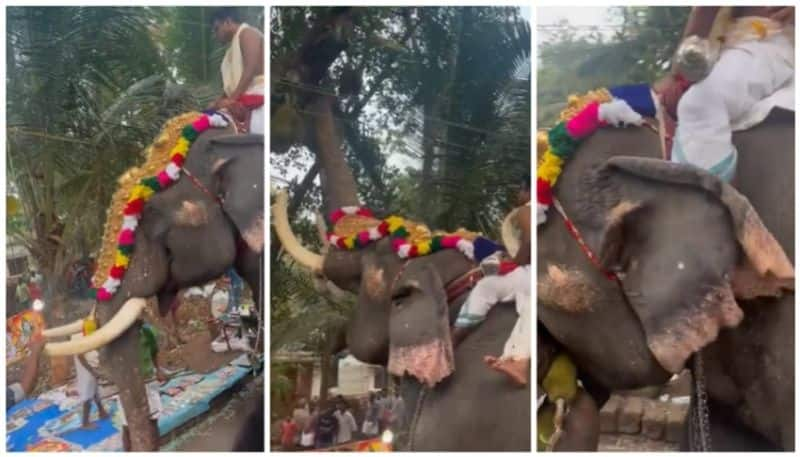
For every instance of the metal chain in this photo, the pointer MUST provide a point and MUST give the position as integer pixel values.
(417, 413)
(700, 427)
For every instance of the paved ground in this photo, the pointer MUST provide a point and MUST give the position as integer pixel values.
(217, 429)
(633, 443)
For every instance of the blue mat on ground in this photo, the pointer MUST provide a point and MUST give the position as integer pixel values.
(39, 423)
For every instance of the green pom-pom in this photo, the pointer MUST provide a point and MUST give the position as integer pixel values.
(93, 293)
(151, 182)
(189, 133)
(436, 244)
(400, 232)
(127, 250)
(561, 143)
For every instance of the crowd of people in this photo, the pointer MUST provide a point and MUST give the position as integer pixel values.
(319, 425)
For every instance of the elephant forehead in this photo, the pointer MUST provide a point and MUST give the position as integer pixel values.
(375, 281)
(566, 289)
(192, 213)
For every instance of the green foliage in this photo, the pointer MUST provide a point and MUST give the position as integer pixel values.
(88, 88)
(439, 131)
(574, 62)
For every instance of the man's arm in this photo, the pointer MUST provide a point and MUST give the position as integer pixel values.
(700, 21)
(523, 256)
(252, 46)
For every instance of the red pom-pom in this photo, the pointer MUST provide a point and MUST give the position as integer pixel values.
(177, 159)
(397, 243)
(413, 252)
(336, 215)
(450, 241)
(163, 179)
(383, 228)
(340, 243)
(544, 193)
(134, 207)
(364, 212)
(117, 272)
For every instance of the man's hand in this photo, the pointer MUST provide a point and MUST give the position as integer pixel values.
(669, 89)
(36, 343)
(784, 15)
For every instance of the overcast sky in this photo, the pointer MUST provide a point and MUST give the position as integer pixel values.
(581, 16)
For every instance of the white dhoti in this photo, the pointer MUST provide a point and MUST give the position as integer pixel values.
(495, 289)
(732, 97)
(85, 382)
(232, 68)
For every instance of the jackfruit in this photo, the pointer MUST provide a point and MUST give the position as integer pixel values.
(544, 426)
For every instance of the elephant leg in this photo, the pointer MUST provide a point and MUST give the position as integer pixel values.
(581, 425)
(123, 359)
(249, 265)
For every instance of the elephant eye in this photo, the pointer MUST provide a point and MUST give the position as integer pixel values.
(401, 294)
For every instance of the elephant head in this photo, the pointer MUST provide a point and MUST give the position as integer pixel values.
(188, 234)
(402, 314)
(678, 239)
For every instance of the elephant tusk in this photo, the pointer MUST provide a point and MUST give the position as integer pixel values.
(292, 245)
(124, 318)
(510, 240)
(64, 330)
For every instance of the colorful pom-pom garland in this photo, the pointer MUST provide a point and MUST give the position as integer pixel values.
(623, 105)
(142, 192)
(395, 227)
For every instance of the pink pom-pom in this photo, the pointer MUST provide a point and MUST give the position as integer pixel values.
(584, 123)
(336, 215)
(397, 243)
(164, 180)
(450, 241)
(201, 124)
(126, 237)
(363, 237)
(103, 295)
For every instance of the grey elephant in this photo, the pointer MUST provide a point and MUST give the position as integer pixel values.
(699, 271)
(190, 233)
(402, 320)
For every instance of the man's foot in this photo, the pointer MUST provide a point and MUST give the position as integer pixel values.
(89, 426)
(515, 369)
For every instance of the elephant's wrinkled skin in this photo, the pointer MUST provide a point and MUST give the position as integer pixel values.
(677, 247)
(186, 238)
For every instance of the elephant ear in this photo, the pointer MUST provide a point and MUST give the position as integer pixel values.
(675, 233)
(238, 167)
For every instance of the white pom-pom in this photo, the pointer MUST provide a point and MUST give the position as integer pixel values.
(333, 239)
(111, 285)
(617, 112)
(130, 222)
(466, 247)
(374, 234)
(404, 250)
(216, 120)
(541, 214)
(173, 171)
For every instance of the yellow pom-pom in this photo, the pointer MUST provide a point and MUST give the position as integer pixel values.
(550, 168)
(140, 191)
(423, 248)
(349, 242)
(181, 146)
(89, 325)
(394, 222)
(760, 28)
(121, 260)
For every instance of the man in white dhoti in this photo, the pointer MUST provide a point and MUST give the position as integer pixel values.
(754, 73)
(516, 285)
(242, 70)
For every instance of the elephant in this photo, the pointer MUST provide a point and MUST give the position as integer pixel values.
(703, 268)
(402, 320)
(188, 234)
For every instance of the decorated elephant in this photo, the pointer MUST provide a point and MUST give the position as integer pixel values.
(402, 319)
(189, 231)
(676, 263)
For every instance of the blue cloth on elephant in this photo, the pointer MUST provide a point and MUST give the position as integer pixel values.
(485, 247)
(637, 96)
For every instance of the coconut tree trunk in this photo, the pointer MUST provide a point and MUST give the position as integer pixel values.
(338, 183)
